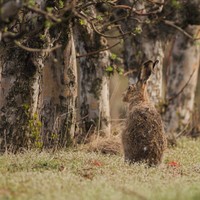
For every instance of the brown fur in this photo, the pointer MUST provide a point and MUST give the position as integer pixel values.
(143, 138)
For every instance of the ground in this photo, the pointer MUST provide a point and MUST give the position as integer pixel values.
(75, 174)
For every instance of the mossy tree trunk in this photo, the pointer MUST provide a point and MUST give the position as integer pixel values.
(19, 97)
(38, 83)
(181, 86)
(38, 107)
(93, 92)
(59, 96)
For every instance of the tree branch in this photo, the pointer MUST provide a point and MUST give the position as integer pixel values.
(141, 13)
(186, 84)
(108, 36)
(95, 52)
(120, 19)
(35, 49)
(155, 2)
(42, 12)
(82, 16)
(130, 72)
(179, 29)
(11, 35)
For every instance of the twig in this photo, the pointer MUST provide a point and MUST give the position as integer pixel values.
(36, 50)
(184, 130)
(120, 29)
(46, 14)
(113, 22)
(136, 11)
(86, 5)
(186, 84)
(11, 35)
(60, 116)
(130, 11)
(155, 2)
(180, 29)
(120, 19)
(129, 72)
(85, 138)
(108, 36)
(82, 118)
(82, 16)
(95, 52)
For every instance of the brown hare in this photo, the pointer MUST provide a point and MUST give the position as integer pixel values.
(143, 139)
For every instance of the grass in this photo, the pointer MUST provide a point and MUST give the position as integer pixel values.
(75, 174)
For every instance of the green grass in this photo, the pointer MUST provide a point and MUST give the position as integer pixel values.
(80, 175)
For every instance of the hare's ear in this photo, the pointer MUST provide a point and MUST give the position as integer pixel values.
(146, 70)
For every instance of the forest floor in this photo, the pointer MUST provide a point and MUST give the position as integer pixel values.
(79, 175)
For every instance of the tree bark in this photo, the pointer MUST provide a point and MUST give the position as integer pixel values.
(19, 97)
(93, 92)
(145, 44)
(59, 110)
(37, 110)
(141, 49)
(181, 86)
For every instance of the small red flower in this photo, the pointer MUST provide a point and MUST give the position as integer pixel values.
(173, 164)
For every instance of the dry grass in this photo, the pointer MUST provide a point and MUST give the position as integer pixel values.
(106, 145)
(77, 174)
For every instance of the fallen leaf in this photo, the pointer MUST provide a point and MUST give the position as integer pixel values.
(96, 163)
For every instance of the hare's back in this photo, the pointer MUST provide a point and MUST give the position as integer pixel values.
(145, 121)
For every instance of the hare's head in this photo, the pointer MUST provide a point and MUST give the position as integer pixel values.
(137, 91)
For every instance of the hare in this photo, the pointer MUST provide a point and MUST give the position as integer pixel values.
(143, 138)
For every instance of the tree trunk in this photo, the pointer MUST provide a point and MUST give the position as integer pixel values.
(59, 110)
(37, 110)
(93, 83)
(19, 97)
(145, 44)
(141, 49)
(181, 86)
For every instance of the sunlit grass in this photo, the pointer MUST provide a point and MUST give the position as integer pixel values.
(75, 174)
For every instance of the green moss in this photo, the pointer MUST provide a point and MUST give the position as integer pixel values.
(34, 128)
(31, 2)
(176, 4)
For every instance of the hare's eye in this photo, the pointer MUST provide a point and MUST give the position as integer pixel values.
(129, 87)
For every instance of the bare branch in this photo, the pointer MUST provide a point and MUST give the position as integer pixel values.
(155, 2)
(82, 16)
(35, 49)
(11, 35)
(95, 52)
(108, 36)
(42, 12)
(130, 72)
(120, 19)
(83, 6)
(186, 84)
(141, 13)
(132, 8)
(179, 29)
